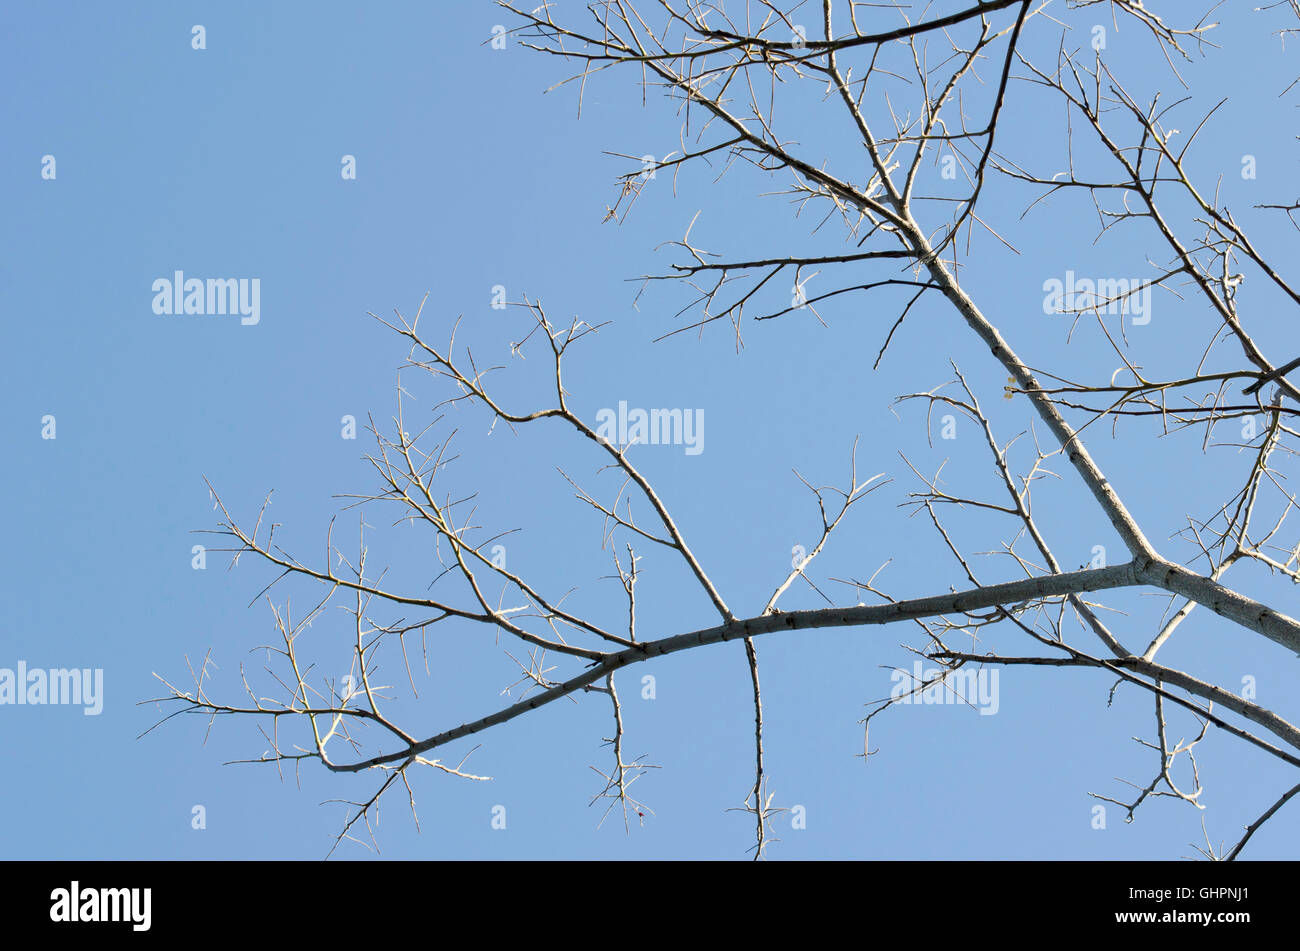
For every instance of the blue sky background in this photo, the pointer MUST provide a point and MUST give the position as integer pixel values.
(226, 162)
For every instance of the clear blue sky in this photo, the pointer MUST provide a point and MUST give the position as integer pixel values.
(225, 162)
